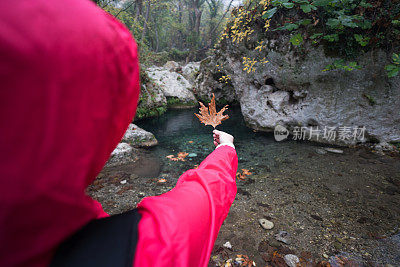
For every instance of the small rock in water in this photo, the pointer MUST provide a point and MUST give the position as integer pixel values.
(291, 260)
(141, 194)
(334, 150)
(227, 245)
(123, 182)
(320, 151)
(267, 225)
(283, 237)
(192, 155)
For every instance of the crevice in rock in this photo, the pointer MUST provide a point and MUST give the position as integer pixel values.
(292, 99)
(269, 81)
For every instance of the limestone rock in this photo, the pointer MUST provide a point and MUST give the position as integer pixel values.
(171, 65)
(152, 101)
(207, 82)
(190, 71)
(138, 137)
(294, 91)
(172, 84)
(121, 154)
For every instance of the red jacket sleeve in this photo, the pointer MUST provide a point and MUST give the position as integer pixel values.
(179, 228)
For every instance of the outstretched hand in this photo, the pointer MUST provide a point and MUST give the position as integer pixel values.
(221, 137)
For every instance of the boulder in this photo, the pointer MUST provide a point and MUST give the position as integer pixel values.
(171, 65)
(121, 154)
(138, 137)
(208, 82)
(152, 101)
(173, 85)
(190, 71)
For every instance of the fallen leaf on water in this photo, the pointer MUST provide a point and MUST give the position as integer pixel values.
(242, 175)
(210, 116)
(246, 172)
(181, 156)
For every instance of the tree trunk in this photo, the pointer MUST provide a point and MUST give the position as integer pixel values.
(139, 9)
(145, 21)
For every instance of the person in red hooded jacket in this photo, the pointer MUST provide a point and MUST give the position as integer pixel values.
(69, 77)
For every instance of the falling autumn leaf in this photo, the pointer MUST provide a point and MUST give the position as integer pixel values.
(210, 116)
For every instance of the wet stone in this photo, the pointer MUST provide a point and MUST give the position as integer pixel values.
(334, 150)
(291, 260)
(283, 237)
(320, 151)
(266, 224)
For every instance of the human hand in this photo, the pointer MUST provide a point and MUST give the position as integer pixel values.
(221, 137)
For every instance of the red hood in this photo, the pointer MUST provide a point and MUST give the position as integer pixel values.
(69, 79)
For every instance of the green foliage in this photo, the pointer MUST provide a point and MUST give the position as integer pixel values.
(341, 64)
(176, 102)
(144, 112)
(344, 27)
(296, 39)
(169, 29)
(268, 14)
(177, 55)
(393, 69)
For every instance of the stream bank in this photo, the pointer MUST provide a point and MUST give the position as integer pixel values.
(328, 203)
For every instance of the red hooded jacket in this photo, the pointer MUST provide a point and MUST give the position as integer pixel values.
(69, 79)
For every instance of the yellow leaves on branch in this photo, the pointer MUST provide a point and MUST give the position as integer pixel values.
(210, 116)
(249, 64)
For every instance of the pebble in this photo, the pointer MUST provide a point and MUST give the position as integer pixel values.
(123, 182)
(283, 237)
(141, 194)
(291, 260)
(320, 151)
(334, 150)
(325, 256)
(227, 245)
(192, 155)
(267, 225)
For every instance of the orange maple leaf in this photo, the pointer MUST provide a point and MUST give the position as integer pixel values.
(210, 116)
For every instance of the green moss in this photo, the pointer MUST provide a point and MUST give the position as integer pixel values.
(174, 102)
(143, 112)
